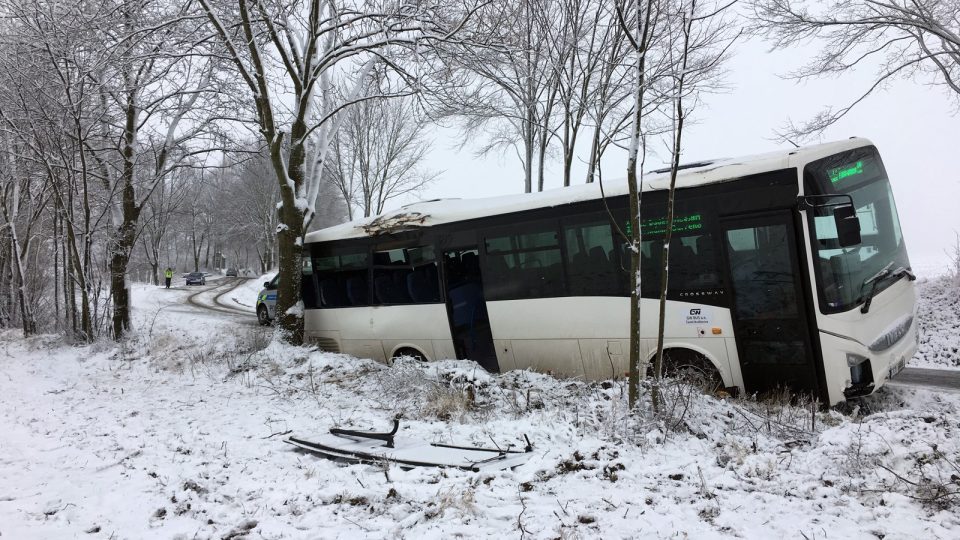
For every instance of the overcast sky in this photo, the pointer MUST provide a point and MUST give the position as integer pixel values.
(913, 125)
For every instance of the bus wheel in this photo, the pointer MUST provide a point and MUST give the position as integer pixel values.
(263, 316)
(409, 352)
(692, 367)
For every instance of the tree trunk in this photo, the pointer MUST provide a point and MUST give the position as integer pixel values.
(4, 307)
(56, 267)
(79, 277)
(633, 382)
(123, 238)
(636, 191)
(290, 266)
(26, 314)
(540, 161)
(594, 156)
(528, 145)
(289, 308)
(674, 168)
(119, 259)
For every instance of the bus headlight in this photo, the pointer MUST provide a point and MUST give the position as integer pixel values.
(860, 371)
(855, 359)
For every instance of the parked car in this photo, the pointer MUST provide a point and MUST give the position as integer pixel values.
(196, 278)
(267, 301)
(231, 272)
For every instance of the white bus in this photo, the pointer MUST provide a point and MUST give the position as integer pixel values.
(773, 281)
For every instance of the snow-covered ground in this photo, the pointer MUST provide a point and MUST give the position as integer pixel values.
(177, 434)
(245, 296)
(939, 316)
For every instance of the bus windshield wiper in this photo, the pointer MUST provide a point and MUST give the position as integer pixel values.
(878, 278)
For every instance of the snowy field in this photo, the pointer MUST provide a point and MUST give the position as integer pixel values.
(177, 434)
(939, 316)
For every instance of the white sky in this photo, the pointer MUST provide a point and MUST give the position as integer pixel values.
(913, 125)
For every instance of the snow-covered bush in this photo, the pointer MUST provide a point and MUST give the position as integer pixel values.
(954, 255)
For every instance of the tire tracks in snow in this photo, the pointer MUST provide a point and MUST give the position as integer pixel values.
(195, 299)
(216, 299)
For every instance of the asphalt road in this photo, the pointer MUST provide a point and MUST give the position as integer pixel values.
(948, 379)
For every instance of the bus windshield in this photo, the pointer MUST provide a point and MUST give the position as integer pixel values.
(844, 275)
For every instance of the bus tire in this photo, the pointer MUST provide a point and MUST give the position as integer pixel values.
(408, 352)
(263, 316)
(693, 367)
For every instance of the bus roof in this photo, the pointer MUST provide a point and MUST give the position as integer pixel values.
(439, 211)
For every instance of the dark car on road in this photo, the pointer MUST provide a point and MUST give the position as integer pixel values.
(231, 272)
(196, 278)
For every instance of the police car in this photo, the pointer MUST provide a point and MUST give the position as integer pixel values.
(267, 301)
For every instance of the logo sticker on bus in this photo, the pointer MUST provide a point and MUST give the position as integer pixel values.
(698, 315)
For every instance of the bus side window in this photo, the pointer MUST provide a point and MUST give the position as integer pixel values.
(341, 280)
(651, 257)
(693, 264)
(308, 286)
(525, 265)
(406, 276)
(592, 266)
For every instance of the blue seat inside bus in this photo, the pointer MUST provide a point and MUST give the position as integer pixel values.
(357, 291)
(466, 300)
(332, 294)
(391, 288)
(423, 284)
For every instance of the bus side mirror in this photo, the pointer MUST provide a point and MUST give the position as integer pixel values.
(266, 285)
(848, 225)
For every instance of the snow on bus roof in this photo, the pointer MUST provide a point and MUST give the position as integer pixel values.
(438, 211)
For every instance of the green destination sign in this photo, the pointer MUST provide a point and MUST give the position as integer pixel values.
(841, 173)
(658, 226)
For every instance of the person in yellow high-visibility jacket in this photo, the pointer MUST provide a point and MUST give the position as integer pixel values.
(168, 275)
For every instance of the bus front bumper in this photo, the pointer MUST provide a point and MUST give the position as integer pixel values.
(854, 370)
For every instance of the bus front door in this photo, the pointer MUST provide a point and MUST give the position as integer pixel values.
(467, 309)
(769, 310)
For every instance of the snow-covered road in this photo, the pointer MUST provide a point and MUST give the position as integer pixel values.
(214, 298)
(934, 379)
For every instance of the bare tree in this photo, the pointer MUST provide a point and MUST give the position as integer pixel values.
(160, 212)
(590, 49)
(679, 48)
(897, 38)
(22, 200)
(378, 154)
(510, 85)
(159, 88)
(609, 101)
(50, 108)
(679, 113)
(640, 20)
(254, 212)
(289, 54)
(199, 221)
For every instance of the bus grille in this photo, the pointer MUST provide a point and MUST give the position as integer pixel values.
(326, 344)
(894, 334)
